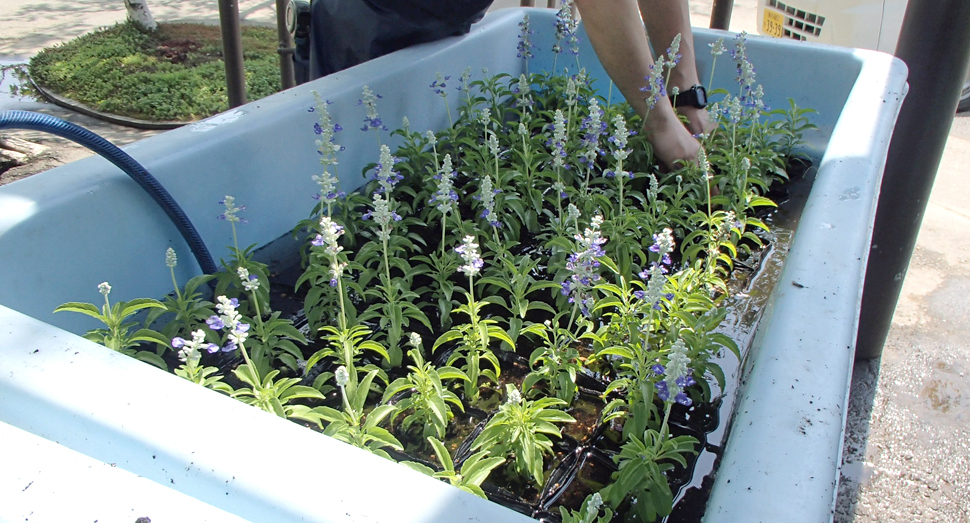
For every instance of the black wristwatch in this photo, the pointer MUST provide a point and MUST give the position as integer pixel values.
(696, 96)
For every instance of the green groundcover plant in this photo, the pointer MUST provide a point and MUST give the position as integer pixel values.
(539, 224)
(175, 73)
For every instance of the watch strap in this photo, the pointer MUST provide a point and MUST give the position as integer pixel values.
(696, 96)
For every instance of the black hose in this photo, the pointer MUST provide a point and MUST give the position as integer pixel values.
(49, 124)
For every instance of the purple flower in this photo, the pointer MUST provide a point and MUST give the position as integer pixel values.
(445, 198)
(464, 85)
(438, 85)
(230, 213)
(211, 348)
(677, 376)
(385, 174)
(683, 399)
(189, 349)
(584, 267)
(566, 27)
(524, 46)
(215, 323)
(486, 194)
(382, 215)
(469, 253)
(229, 319)
(369, 101)
(593, 127)
(619, 138)
(662, 391)
(658, 369)
(663, 244)
(685, 381)
(558, 142)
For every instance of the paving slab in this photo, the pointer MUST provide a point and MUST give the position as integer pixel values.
(907, 446)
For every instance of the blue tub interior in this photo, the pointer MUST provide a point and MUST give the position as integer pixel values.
(64, 231)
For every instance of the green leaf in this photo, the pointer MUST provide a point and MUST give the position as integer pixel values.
(498, 333)
(477, 467)
(150, 336)
(424, 469)
(151, 358)
(444, 457)
(247, 375)
(616, 350)
(138, 304)
(377, 415)
(761, 201)
(83, 308)
(385, 438)
(610, 264)
(301, 391)
(451, 335)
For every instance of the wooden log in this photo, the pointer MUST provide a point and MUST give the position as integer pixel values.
(24, 147)
(8, 158)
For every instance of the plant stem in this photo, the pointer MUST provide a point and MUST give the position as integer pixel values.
(235, 241)
(619, 177)
(663, 427)
(710, 80)
(387, 264)
(451, 123)
(249, 362)
(178, 293)
(343, 310)
(259, 316)
(707, 182)
(444, 223)
(558, 195)
(572, 317)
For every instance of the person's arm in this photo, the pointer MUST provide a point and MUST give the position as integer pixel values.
(664, 20)
(617, 34)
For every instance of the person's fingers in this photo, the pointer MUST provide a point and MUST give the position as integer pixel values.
(698, 121)
(674, 145)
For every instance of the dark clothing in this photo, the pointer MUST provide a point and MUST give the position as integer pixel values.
(344, 33)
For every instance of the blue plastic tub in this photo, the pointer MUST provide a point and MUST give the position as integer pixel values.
(64, 231)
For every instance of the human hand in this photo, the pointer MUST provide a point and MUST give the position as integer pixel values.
(672, 142)
(698, 121)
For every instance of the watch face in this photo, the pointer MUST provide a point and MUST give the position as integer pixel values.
(701, 94)
(696, 96)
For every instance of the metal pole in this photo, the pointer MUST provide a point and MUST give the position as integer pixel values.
(286, 49)
(232, 52)
(721, 14)
(935, 44)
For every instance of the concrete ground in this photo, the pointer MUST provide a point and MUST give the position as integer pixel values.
(907, 447)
